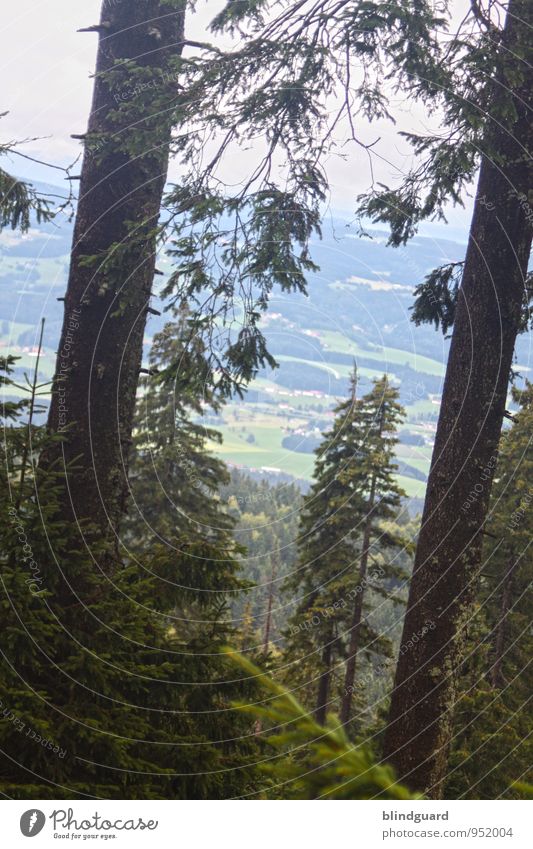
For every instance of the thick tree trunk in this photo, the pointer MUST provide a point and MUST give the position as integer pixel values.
(355, 626)
(497, 678)
(122, 181)
(324, 682)
(464, 457)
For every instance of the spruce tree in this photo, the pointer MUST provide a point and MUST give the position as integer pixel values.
(175, 481)
(102, 696)
(266, 517)
(345, 554)
(372, 473)
(312, 761)
(477, 75)
(19, 202)
(105, 691)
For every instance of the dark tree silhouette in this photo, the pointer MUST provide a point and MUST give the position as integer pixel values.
(488, 317)
(126, 150)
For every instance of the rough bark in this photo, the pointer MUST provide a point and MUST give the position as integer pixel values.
(270, 602)
(473, 402)
(122, 182)
(355, 625)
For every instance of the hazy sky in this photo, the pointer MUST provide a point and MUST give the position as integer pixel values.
(46, 66)
(46, 87)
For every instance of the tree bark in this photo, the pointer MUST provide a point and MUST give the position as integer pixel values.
(464, 457)
(122, 181)
(324, 682)
(270, 601)
(355, 626)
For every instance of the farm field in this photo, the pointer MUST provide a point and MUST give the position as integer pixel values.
(352, 314)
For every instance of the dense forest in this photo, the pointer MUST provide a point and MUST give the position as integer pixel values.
(175, 626)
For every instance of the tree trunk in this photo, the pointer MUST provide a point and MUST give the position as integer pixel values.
(268, 621)
(126, 150)
(464, 457)
(497, 678)
(323, 682)
(258, 725)
(355, 627)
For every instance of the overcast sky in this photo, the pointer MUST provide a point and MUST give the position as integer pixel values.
(46, 88)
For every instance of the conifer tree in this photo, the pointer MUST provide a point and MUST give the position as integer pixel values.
(477, 75)
(19, 201)
(492, 746)
(354, 491)
(101, 694)
(490, 308)
(105, 691)
(112, 263)
(266, 517)
(312, 761)
(372, 473)
(175, 480)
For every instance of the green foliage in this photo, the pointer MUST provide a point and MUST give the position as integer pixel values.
(299, 78)
(466, 75)
(174, 480)
(19, 201)
(109, 688)
(525, 790)
(266, 527)
(436, 297)
(237, 251)
(312, 761)
(233, 245)
(350, 509)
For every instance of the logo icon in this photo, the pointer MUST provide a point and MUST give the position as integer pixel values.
(32, 822)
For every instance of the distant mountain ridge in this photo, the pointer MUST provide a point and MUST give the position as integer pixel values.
(358, 308)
